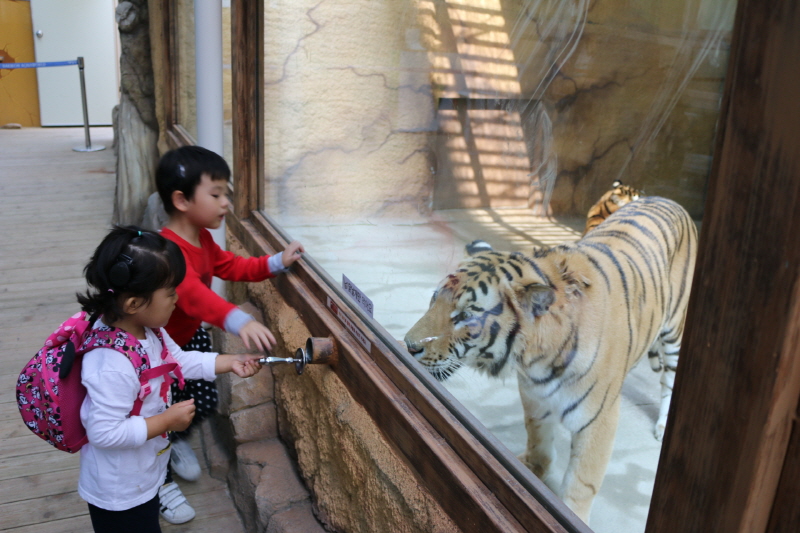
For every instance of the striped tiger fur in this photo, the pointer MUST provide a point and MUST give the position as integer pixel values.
(612, 200)
(570, 321)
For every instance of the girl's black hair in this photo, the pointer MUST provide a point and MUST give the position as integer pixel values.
(129, 261)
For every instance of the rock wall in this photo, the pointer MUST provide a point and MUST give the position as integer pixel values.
(638, 100)
(347, 131)
(397, 108)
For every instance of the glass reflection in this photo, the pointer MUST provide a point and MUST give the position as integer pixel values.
(185, 82)
(398, 132)
(227, 84)
(186, 75)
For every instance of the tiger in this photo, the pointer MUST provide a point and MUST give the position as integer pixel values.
(570, 321)
(612, 200)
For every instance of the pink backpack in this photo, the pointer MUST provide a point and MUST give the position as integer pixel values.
(49, 389)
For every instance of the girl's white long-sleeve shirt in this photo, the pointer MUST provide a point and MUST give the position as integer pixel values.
(121, 468)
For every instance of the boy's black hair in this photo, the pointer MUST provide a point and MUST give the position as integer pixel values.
(182, 169)
(129, 261)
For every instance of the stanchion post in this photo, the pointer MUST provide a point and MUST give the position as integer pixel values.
(88, 147)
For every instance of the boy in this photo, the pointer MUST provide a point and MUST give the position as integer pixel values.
(192, 183)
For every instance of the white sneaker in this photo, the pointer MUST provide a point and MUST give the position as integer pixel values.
(174, 507)
(184, 461)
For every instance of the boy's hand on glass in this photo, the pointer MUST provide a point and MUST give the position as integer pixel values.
(258, 334)
(246, 365)
(292, 253)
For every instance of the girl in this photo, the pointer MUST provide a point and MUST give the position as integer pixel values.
(132, 278)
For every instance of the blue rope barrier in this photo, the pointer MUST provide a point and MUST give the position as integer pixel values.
(40, 64)
(79, 62)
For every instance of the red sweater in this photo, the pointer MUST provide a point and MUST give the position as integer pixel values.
(196, 301)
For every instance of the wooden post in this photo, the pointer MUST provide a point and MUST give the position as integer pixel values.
(738, 383)
(248, 119)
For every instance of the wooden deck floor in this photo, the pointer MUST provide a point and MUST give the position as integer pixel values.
(55, 207)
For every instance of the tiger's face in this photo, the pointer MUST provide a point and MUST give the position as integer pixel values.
(623, 194)
(618, 196)
(476, 316)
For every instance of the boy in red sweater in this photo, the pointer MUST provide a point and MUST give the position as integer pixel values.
(192, 183)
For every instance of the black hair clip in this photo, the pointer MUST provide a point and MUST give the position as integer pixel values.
(120, 273)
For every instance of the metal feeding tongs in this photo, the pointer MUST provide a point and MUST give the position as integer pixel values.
(318, 350)
(300, 360)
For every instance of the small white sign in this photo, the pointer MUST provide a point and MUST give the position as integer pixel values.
(358, 297)
(349, 324)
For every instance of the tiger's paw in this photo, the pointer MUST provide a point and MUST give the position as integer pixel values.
(547, 476)
(540, 467)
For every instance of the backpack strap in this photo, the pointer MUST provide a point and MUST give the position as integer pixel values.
(126, 344)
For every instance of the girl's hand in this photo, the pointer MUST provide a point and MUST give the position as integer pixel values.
(292, 253)
(245, 365)
(176, 418)
(180, 415)
(258, 334)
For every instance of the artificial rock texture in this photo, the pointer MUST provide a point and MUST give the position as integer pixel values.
(413, 106)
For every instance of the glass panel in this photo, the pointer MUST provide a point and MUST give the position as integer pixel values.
(227, 87)
(186, 81)
(398, 132)
(185, 75)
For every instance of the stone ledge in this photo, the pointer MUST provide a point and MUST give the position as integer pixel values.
(279, 486)
(236, 393)
(216, 453)
(255, 423)
(242, 482)
(298, 519)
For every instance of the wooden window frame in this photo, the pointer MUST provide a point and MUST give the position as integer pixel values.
(176, 134)
(707, 480)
